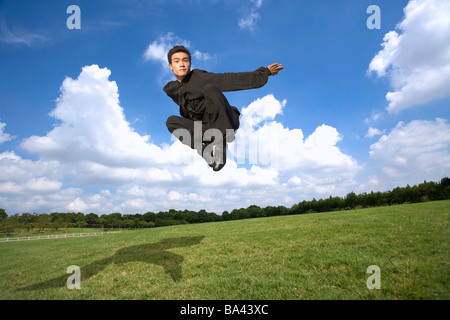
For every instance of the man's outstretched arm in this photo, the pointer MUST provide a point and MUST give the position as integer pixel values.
(241, 80)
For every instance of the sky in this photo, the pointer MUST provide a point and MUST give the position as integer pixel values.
(362, 105)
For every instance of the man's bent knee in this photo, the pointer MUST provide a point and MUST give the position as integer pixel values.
(172, 123)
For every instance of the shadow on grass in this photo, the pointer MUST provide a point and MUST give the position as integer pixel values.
(153, 253)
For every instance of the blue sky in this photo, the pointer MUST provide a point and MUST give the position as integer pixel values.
(82, 111)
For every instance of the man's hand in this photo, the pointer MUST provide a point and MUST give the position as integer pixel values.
(275, 68)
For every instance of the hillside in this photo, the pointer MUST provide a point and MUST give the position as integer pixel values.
(310, 256)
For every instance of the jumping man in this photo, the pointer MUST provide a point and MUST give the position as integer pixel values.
(207, 120)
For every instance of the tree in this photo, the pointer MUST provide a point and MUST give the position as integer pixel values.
(129, 223)
(7, 226)
(3, 215)
(445, 188)
(81, 223)
(351, 200)
(59, 223)
(26, 220)
(255, 211)
(42, 222)
(92, 218)
(144, 224)
(102, 221)
(226, 216)
(112, 220)
(149, 216)
(239, 214)
(204, 216)
(78, 217)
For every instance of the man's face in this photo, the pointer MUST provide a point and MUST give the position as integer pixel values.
(180, 65)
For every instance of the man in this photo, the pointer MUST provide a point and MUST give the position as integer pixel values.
(207, 120)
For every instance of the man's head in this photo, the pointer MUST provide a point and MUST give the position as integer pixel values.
(179, 61)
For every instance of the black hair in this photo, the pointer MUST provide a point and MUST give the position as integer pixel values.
(178, 49)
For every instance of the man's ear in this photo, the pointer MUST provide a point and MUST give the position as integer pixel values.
(170, 66)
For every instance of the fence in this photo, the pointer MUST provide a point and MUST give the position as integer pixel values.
(55, 236)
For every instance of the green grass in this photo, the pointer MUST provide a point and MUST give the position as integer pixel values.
(313, 256)
(36, 232)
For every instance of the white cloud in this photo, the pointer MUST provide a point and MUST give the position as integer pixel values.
(248, 21)
(201, 56)
(258, 3)
(19, 35)
(3, 135)
(372, 132)
(261, 110)
(22, 175)
(250, 15)
(374, 117)
(94, 146)
(9, 188)
(296, 167)
(263, 139)
(414, 152)
(93, 128)
(158, 49)
(77, 205)
(28, 186)
(416, 58)
(43, 184)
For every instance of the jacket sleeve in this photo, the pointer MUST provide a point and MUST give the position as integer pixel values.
(237, 81)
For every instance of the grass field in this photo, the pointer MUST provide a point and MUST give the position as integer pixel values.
(312, 256)
(61, 231)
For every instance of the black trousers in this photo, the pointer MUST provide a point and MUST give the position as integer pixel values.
(218, 115)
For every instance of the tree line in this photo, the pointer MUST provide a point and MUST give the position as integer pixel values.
(426, 191)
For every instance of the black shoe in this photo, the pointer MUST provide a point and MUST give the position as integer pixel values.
(217, 166)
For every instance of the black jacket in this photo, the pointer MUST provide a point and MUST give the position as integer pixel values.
(189, 93)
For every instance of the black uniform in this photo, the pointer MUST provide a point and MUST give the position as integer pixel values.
(200, 98)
